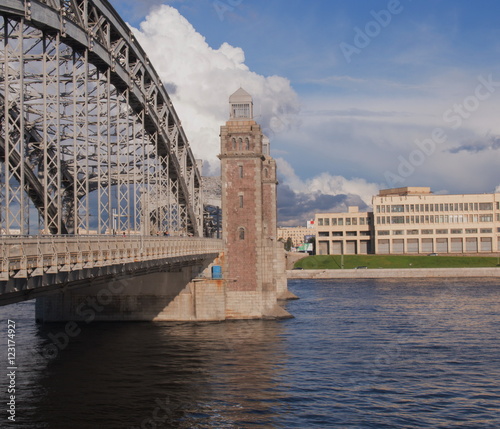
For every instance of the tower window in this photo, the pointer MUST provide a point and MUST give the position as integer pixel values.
(241, 201)
(241, 233)
(240, 168)
(241, 110)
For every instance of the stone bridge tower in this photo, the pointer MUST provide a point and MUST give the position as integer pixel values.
(254, 267)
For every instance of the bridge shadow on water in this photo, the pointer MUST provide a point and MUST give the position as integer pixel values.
(164, 375)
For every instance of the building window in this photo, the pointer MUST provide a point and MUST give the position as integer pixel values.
(241, 233)
(354, 221)
(398, 219)
(457, 231)
(485, 206)
(240, 168)
(400, 208)
(334, 221)
(341, 222)
(486, 218)
(441, 231)
(247, 144)
(398, 232)
(337, 233)
(348, 221)
(351, 233)
(383, 232)
(320, 222)
(233, 140)
(471, 231)
(412, 232)
(240, 197)
(324, 234)
(327, 221)
(241, 110)
(486, 230)
(427, 231)
(362, 221)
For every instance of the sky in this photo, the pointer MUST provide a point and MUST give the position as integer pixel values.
(356, 96)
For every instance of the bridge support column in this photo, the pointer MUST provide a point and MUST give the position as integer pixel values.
(181, 295)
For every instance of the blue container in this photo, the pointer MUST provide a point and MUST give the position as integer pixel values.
(216, 272)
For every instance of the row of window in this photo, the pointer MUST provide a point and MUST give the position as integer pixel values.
(341, 233)
(438, 231)
(441, 207)
(383, 220)
(344, 221)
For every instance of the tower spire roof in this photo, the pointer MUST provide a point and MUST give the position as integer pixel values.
(240, 105)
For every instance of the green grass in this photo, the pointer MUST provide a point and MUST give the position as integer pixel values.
(326, 262)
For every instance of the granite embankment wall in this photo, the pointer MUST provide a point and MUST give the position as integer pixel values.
(381, 273)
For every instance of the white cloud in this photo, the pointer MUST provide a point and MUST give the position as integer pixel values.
(327, 184)
(202, 78)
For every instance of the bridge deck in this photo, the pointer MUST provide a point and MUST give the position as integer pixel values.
(34, 266)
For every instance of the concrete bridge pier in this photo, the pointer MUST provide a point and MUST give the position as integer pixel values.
(184, 293)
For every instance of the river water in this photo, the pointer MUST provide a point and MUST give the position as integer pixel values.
(358, 354)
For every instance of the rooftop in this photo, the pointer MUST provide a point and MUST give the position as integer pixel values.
(409, 190)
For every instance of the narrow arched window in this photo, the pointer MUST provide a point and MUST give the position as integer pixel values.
(241, 201)
(241, 171)
(247, 144)
(234, 143)
(241, 233)
(266, 173)
(240, 144)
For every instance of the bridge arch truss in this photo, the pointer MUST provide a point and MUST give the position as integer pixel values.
(89, 141)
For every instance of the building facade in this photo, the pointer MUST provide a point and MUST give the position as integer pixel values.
(344, 233)
(297, 234)
(413, 220)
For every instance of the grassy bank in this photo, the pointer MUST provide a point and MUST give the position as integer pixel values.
(332, 262)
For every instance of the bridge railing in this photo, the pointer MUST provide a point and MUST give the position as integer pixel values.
(25, 257)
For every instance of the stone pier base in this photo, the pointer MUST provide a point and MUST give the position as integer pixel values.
(187, 294)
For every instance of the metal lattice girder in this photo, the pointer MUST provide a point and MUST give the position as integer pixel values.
(89, 140)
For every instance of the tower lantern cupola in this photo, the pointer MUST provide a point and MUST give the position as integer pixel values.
(241, 106)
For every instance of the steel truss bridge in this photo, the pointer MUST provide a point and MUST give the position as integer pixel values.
(90, 143)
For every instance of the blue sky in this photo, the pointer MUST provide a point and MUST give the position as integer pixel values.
(349, 91)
